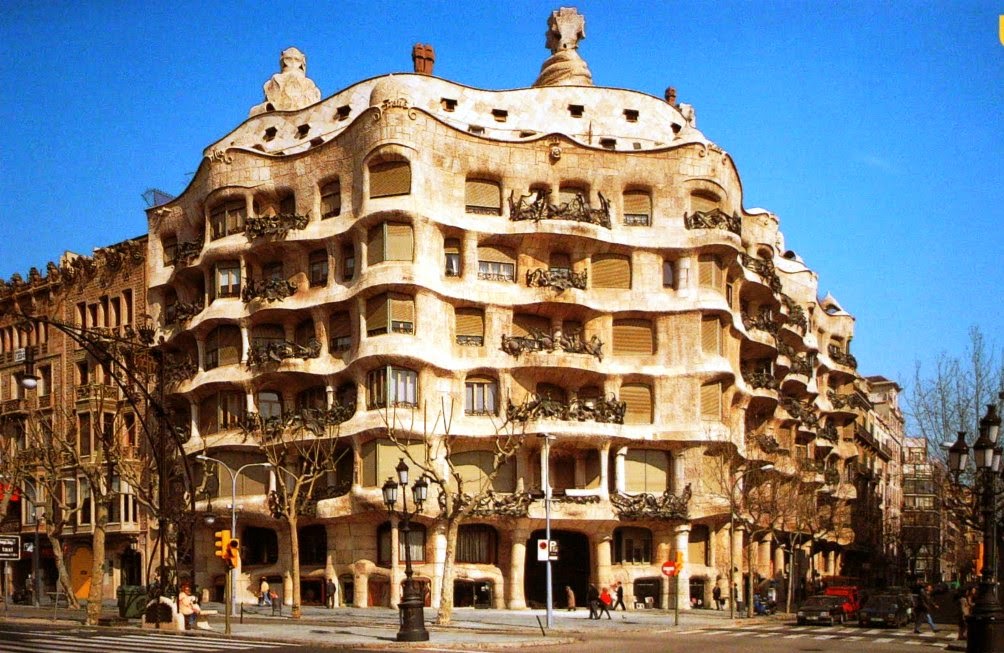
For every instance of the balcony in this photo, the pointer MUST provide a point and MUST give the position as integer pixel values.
(277, 351)
(14, 406)
(177, 369)
(760, 379)
(542, 342)
(96, 392)
(795, 314)
(762, 321)
(763, 268)
(558, 278)
(180, 312)
(713, 219)
(841, 357)
(666, 506)
(850, 401)
(273, 226)
(186, 251)
(267, 290)
(535, 407)
(829, 433)
(801, 365)
(804, 413)
(536, 207)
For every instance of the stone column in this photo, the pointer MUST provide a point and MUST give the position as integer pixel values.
(245, 343)
(619, 480)
(517, 547)
(831, 564)
(735, 574)
(681, 541)
(662, 541)
(679, 477)
(396, 573)
(763, 556)
(778, 561)
(439, 558)
(360, 586)
(602, 572)
(605, 471)
(200, 350)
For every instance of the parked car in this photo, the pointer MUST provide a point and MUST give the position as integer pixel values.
(822, 609)
(851, 597)
(884, 610)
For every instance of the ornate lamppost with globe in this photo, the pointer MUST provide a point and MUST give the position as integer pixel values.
(986, 623)
(412, 605)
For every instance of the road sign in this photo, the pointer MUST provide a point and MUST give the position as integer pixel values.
(10, 547)
(669, 568)
(544, 551)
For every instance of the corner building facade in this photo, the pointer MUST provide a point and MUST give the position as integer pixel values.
(443, 261)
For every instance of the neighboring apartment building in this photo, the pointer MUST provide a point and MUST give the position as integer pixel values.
(564, 259)
(928, 536)
(76, 401)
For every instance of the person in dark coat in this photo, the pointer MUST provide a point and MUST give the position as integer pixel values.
(332, 591)
(593, 598)
(922, 612)
(619, 596)
(716, 594)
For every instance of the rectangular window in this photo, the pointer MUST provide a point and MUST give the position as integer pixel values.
(646, 470)
(483, 197)
(711, 336)
(711, 401)
(633, 337)
(84, 434)
(331, 199)
(348, 262)
(340, 328)
(470, 324)
(169, 245)
(390, 241)
(611, 271)
(318, 268)
(451, 252)
(637, 209)
(638, 398)
(481, 397)
(396, 385)
(228, 218)
(668, 274)
(228, 279)
(390, 178)
(710, 272)
(496, 264)
(390, 312)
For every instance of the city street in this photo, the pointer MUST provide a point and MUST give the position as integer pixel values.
(36, 638)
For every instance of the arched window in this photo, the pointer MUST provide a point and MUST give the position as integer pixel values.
(633, 337)
(638, 398)
(416, 540)
(483, 197)
(637, 208)
(611, 271)
(389, 178)
(270, 404)
(259, 546)
(331, 199)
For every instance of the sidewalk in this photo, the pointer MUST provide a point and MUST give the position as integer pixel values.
(377, 627)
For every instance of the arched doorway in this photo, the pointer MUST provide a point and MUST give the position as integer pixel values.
(572, 568)
(80, 571)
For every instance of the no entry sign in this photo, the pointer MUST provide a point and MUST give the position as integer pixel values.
(669, 568)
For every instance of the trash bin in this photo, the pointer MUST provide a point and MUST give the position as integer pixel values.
(131, 601)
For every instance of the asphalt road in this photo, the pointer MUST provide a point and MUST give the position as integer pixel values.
(32, 638)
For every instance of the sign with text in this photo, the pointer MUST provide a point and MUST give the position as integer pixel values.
(10, 547)
(545, 552)
(669, 568)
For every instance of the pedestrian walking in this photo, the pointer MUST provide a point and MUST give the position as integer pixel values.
(593, 599)
(922, 613)
(966, 598)
(264, 596)
(619, 596)
(603, 604)
(570, 598)
(332, 591)
(716, 594)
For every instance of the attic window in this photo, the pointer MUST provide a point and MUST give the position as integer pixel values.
(527, 133)
(448, 104)
(631, 115)
(636, 145)
(608, 143)
(576, 110)
(676, 128)
(302, 130)
(500, 115)
(270, 133)
(476, 129)
(314, 142)
(343, 112)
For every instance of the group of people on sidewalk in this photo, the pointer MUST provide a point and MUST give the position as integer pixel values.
(600, 602)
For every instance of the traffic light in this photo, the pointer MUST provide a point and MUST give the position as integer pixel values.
(222, 539)
(232, 554)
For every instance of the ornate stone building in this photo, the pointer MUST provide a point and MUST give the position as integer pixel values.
(434, 263)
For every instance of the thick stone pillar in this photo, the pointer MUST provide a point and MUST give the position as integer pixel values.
(831, 564)
(619, 480)
(679, 478)
(763, 556)
(778, 561)
(602, 572)
(396, 572)
(517, 548)
(605, 471)
(735, 574)
(681, 583)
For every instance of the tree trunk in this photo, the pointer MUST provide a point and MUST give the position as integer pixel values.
(96, 593)
(446, 589)
(294, 543)
(64, 576)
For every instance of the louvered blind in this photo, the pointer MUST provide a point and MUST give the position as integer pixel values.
(390, 178)
(483, 194)
(711, 335)
(706, 267)
(340, 325)
(230, 345)
(645, 470)
(711, 401)
(633, 337)
(495, 255)
(402, 308)
(451, 246)
(375, 245)
(611, 271)
(400, 242)
(470, 322)
(637, 203)
(376, 313)
(524, 325)
(639, 403)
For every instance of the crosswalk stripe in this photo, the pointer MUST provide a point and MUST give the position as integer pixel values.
(198, 642)
(148, 643)
(795, 636)
(882, 640)
(824, 637)
(100, 644)
(763, 635)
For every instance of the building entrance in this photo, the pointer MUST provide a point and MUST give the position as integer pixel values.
(572, 568)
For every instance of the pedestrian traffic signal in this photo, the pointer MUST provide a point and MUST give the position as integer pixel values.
(232, 554)
(222, 539)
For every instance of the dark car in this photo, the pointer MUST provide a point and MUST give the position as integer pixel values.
(822, 609)
(884, 610)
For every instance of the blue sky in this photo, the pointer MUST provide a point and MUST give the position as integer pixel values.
(873, 129)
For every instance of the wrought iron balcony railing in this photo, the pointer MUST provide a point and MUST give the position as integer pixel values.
(181, 312)
(268, 290)
(277, 351)
(536, 207)
(278, 225)
(841, 357)
(540, 341)
(178, 369)
(560, 278)
(796, 314)
(604, 411)
(763, 268)
(760, 378)
(665, 506)
(713, 219)
(804, 413)
(762, 321)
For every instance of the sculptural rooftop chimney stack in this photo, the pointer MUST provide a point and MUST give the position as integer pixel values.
(424, 57)
(565, 28)
(290, 89)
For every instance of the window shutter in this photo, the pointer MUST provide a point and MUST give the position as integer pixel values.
(470, 322)
(711, 401)
(639, 403)
(331, 199)
(230, 346)
(375, 245)
(646, 470)
(451, 246)
(611, 271)
(376, 314)
(711, 335)
(402, 308)
(706, 266)
(638, 203)
(340, 325)
(633, 337)
(495, 255)
(400, 243)
(524, 325)
(483, 197)
(703, 201)
(390, 178)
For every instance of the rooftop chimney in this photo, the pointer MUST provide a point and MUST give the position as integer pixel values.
(424, 57)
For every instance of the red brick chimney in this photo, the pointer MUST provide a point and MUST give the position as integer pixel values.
(423, 57)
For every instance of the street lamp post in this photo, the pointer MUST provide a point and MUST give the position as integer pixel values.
(733, 588)
(986, 623)
(231, 606)
(412, 605)
(545, 478)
